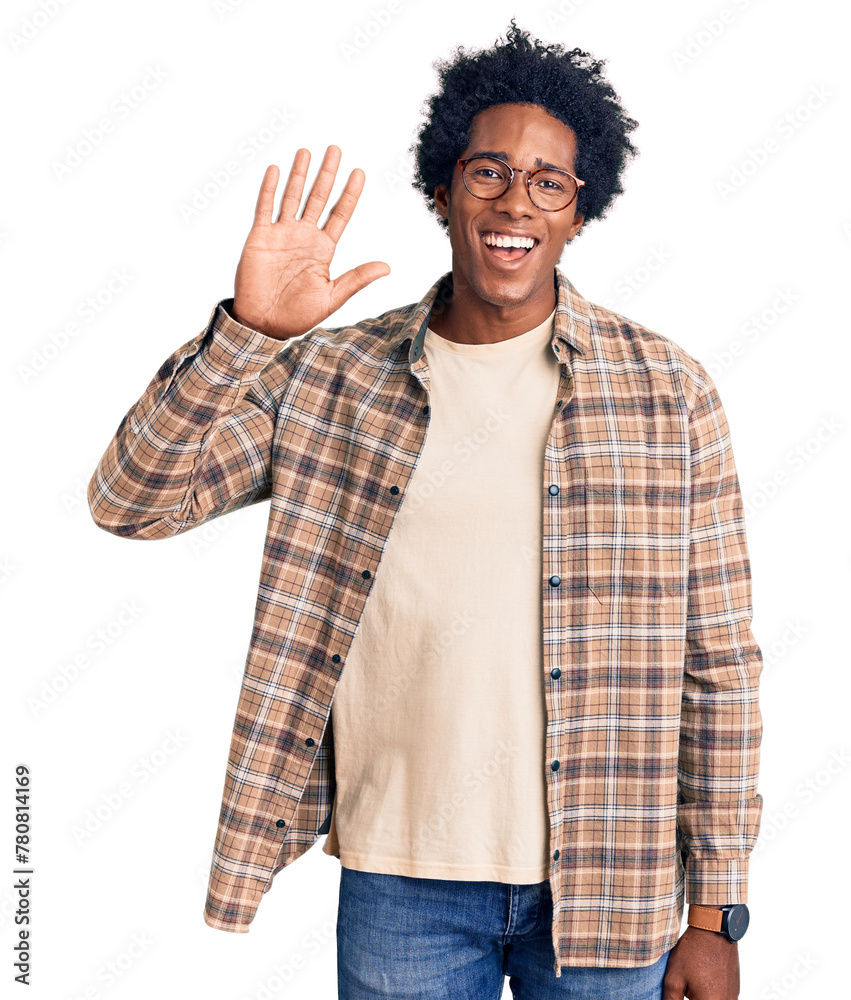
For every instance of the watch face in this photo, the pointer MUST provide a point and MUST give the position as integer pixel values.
(737, 921)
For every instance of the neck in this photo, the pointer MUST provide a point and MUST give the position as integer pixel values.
(462, 316)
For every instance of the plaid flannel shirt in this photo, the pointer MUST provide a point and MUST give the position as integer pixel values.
(650, 667)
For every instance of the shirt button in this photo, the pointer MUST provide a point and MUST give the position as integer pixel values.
(555, 672)
(553, 489)
(335, 658)
(279, 823)
(310, 741)
(555, 855)
(366, 574)
(394, 490)
(555, 581)
(554, 765)
(426, 410)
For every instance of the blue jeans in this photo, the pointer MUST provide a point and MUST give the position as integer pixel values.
(411, 938)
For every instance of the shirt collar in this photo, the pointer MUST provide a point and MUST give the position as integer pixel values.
(571, 323)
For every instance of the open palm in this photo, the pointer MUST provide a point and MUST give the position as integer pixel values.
(283, 286)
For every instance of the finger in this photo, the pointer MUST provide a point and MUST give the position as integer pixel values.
(340, 214)
(266, 197)
(294, 187)
(322, 185)
(355, 279)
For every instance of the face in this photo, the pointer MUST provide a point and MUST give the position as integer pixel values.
(527, 137)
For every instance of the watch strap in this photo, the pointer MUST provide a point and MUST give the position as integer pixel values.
(708, 918)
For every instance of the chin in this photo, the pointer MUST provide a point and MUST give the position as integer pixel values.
(502, 290)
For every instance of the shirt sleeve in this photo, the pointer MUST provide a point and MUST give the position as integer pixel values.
(719, 809)
(197, 444)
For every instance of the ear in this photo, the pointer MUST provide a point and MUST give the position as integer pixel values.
(441, 200)
(575, 226)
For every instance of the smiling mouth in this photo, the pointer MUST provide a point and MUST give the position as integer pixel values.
(507, 247)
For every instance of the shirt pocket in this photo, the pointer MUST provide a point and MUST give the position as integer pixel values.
(636, 535)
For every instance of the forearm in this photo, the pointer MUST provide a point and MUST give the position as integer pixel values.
(721, 725)
(720, 734)
(194, 442)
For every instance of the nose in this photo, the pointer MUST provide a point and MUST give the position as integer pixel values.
(515, 199)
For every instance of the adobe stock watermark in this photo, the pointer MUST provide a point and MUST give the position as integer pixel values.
(459, 625)
(312, 944)
(561, 12)
(7, 570)
(223, 8)
(805, 793)
(32, 24)
(787, 125)
(112, 801)
(120, 108)
(633, 281)
(464, 448)
(75, 497)
(95, 644)
(754, 327)
(8, 906)
(200, 539)
(796, 459)
(709, 31)
(87, 310)
(402, 175)
(247, 150)
(472, 784)
(113, 971)
(790, 980)
(365, 34)
(779, 649)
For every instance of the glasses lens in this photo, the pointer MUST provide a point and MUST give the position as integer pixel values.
(553, 189)
(486, 178)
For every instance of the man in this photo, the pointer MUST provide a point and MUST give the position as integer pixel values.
(506, 539)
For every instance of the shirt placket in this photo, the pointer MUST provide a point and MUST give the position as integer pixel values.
(555, 578)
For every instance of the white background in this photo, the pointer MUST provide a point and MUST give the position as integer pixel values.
(775, 243)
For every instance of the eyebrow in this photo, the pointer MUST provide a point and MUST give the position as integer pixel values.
(499, 154)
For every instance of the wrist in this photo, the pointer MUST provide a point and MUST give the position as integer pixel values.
(249, 324)
(730, 921)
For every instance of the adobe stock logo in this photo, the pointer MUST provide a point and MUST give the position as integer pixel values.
(787, 126)
(34, 23)
(751, 331)
(710, 30)
(796, 460)
(120, 108)
(370, 29)
(248, 149)
(88, 309)
(562, 11)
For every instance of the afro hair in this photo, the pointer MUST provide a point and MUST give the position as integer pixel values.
(523, 70)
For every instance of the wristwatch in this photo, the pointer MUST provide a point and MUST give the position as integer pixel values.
(731, 921)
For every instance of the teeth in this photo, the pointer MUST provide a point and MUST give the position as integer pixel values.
(498, 240)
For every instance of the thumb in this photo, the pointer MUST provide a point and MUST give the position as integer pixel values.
(356, 278)
(673, 989)
(674, 984)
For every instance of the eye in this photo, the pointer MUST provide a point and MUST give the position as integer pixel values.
(548, 184)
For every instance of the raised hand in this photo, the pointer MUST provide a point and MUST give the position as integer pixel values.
(283, 286)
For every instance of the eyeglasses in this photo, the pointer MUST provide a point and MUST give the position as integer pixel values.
(488, 178)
